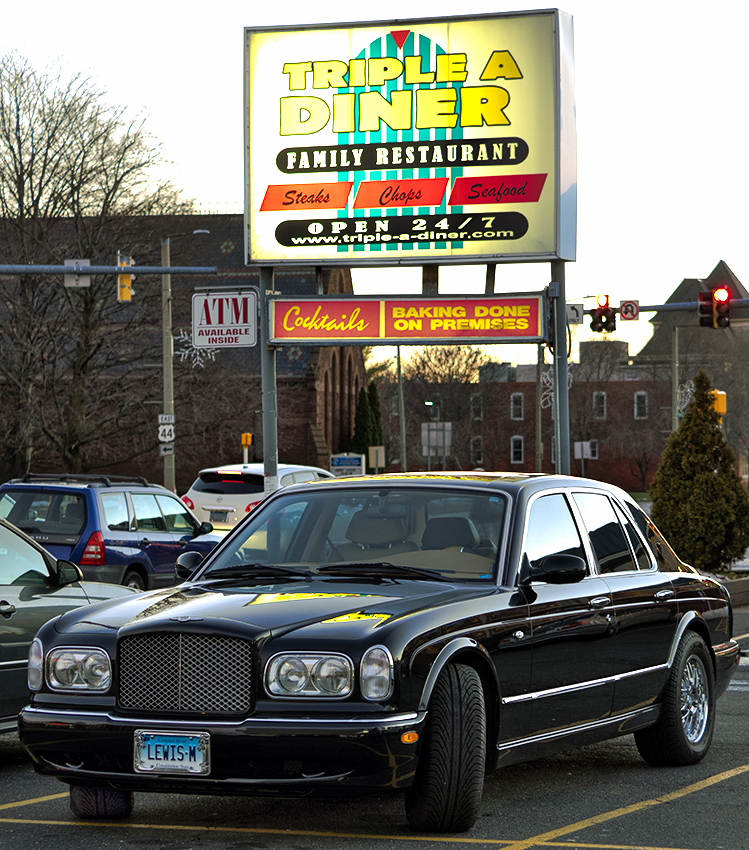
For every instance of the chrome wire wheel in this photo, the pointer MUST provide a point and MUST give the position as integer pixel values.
(695, 702)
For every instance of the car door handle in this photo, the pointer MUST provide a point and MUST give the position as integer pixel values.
(6, 609)
(600, 601)
(664, 594)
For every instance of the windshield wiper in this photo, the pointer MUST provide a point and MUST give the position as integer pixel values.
(382, 570)
(252, 570)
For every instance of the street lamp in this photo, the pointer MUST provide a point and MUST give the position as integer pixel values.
(167, 352)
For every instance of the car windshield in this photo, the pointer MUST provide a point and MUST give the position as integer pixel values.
(395, 532)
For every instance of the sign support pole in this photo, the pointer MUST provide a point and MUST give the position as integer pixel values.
(561, 387)
(268, 386)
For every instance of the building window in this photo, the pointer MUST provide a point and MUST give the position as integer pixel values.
(516, 449)
(516, 406)
(593, 449)
(641, 405)
(477, 450)
(477, 407)
(599, 405)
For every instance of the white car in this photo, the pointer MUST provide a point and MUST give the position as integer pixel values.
(222, 495)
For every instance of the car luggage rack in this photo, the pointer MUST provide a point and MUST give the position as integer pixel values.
(91, 479)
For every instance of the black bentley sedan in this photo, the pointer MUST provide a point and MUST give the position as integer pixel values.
(391, 632)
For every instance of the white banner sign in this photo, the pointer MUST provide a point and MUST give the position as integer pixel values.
(224, 319)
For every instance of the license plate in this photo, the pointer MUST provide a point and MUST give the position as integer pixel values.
(179, 752)
(217, 516)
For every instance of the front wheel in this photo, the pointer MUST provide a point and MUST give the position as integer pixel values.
(449, 780)
(684, 730)
(96, 803)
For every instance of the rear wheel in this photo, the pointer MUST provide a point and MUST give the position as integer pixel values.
(449, 780)
(134, 579)
(684, 730)
(95, 803)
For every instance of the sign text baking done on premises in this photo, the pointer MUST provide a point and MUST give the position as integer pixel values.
(445, 140)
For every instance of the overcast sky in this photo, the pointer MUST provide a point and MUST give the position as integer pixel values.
(661, 123)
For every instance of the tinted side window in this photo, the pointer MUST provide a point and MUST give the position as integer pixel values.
(551, 529)
(147, 513)
(642, 556)
(606, 533)
(115, 511)
(178, 521)
(20, 563)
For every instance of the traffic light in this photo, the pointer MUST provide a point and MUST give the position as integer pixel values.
(705, 308)
(603, 317)
(124, 281)
(721, 307)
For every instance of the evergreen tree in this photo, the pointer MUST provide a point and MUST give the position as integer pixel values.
(374, 405)
(362, 439)
(699, 501)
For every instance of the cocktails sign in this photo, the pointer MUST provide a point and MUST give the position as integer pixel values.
(434, 139)
(394, 321)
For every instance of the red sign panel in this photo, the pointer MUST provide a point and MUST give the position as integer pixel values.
(517, 318)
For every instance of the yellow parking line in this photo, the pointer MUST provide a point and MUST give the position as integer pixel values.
(35, 800)
(547, 838)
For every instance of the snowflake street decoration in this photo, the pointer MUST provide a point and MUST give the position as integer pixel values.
(686, 394)
(186, 351)
(547, 379)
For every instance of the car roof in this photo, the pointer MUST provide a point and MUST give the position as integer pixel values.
(65, 479)
(508, 482)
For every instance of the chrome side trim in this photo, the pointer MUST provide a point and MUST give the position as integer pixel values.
(581, 686)
(573, 730)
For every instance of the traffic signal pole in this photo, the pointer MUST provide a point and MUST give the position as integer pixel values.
(561, 395)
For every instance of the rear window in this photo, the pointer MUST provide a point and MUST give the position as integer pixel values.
(230, 484)
(37, 511)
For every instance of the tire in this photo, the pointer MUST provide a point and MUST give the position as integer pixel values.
(684, 730)
(135, 580)
(95, 803)
(449, 781)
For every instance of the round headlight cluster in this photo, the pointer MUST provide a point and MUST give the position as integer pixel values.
(310, 675)
(80, 668)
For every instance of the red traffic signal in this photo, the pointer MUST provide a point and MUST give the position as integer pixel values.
(603, 317)
(721, 307)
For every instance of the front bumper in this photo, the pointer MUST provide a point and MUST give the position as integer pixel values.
(259, 755)
(727, 657)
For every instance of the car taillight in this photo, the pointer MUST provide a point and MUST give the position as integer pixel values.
(251, 506)
(189, 503)
(93, 555)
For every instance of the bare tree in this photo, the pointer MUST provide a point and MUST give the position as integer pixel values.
(76, 175)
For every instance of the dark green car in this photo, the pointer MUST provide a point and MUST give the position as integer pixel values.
(34, 588)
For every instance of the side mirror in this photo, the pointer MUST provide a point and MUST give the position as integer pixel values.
(187, 563)
(66, 572)
(558, 569)
(205, 527)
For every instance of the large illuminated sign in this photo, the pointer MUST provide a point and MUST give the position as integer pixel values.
(438, 140)
(395, 321)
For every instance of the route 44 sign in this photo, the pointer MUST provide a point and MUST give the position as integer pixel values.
(166, 433)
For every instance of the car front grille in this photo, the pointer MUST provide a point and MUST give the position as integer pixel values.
(185, 672)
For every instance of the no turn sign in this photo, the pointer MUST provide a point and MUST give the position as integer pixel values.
(629, 310)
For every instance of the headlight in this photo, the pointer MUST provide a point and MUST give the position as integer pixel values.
(79, 669)
(309, 675)
(376, 672)
(35, 674)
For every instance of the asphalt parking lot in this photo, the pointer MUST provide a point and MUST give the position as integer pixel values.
(602, 797)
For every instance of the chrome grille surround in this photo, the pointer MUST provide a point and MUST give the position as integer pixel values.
(185, 672)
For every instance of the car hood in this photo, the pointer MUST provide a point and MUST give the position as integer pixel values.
(274, 608)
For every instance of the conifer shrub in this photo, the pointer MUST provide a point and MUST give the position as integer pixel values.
(698, 499)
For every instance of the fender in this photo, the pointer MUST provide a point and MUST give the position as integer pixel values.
(449, 651)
